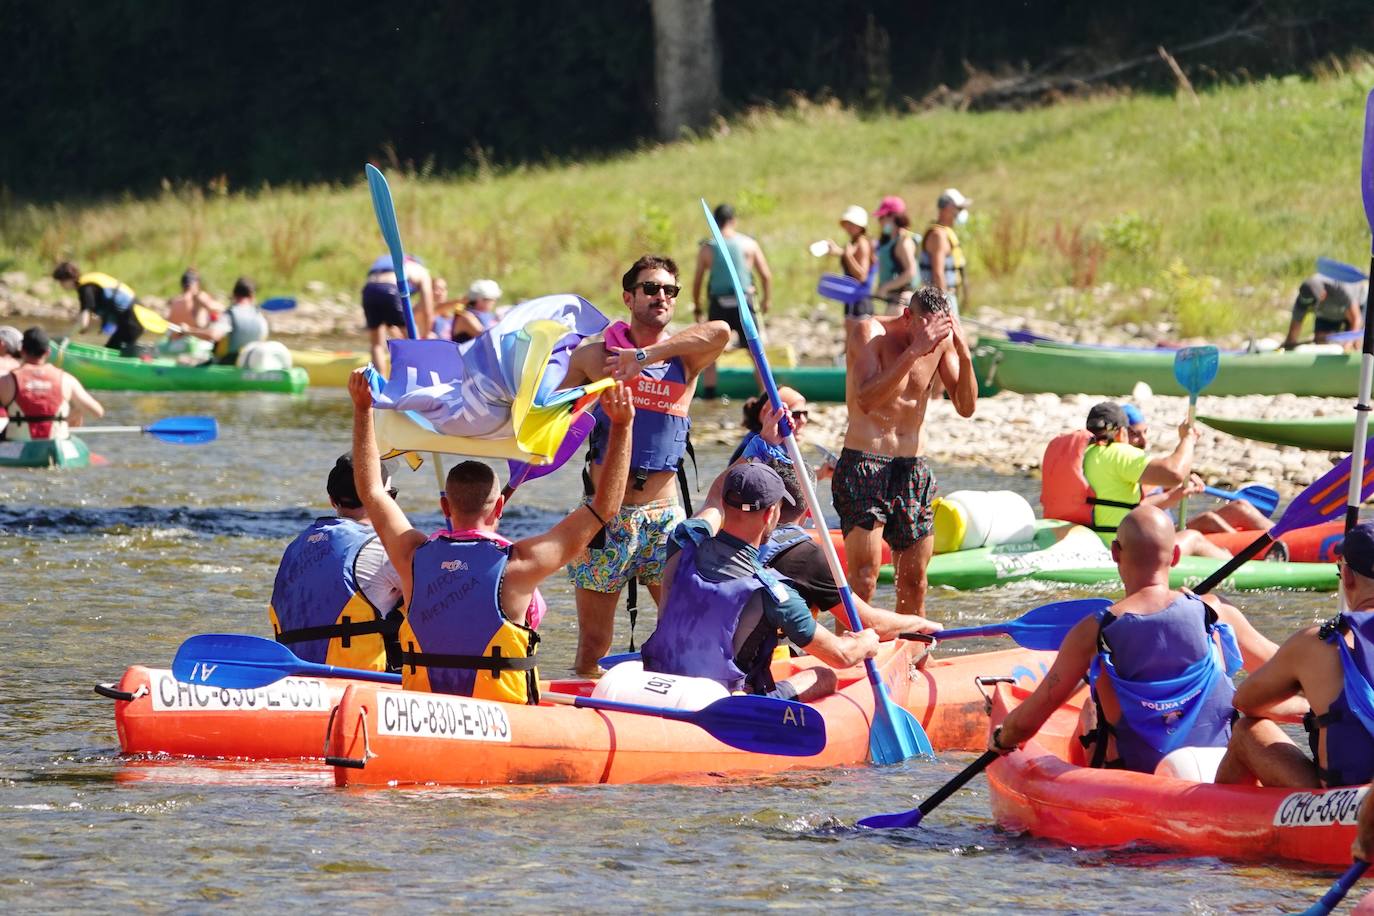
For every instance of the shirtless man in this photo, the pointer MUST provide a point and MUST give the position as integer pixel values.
(661, 372)
(194, 309)
(882, 486)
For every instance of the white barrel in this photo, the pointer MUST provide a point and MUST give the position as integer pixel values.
(1195, 764)
(264, 355)
(628, 682)
(993, 517)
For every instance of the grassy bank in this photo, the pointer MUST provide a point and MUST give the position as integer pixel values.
(1210, 212)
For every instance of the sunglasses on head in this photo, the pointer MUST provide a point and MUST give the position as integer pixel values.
(652, 289)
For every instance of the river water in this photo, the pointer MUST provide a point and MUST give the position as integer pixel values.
(115, 565)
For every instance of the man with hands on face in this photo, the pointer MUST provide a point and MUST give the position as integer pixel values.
(467, 590)
(660, 371)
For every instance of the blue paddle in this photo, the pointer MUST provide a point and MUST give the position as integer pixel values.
(248, 662)
(913, 817)
(1357, 447)
(178, 430)
(278, 304)
(1338, 890)
(385, 211)
(1339, 271)
(1042, 628)
(1264, 499)
(894, 734)
(762, 725)
(1194, 369)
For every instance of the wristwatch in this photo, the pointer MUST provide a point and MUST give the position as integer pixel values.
(997, 739)
(641, 355)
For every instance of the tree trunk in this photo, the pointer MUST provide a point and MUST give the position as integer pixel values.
(686, 64)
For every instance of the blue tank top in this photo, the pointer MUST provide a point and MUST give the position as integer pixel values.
(1168, 679)
(316, 590)
(661, 423)
(1349, 722)
(696, 631)
(887, 258)
(719, 283)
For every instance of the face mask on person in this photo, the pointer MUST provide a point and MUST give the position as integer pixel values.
(889, 227)
(962, 218)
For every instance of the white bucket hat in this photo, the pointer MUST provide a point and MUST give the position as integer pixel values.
(855, 214)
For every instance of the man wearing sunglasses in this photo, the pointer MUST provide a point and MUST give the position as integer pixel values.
(745, 253)
(661, 372)
(882, 486)
(337, 598)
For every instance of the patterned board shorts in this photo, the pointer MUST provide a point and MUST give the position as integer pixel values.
(896, 493)
(633, 543)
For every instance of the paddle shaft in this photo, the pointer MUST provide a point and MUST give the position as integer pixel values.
(957, 783)
(1352, 503)
(1336, 893)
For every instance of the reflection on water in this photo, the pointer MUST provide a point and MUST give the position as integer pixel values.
(115, 565)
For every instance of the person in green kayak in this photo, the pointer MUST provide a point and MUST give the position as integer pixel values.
(1153, 659)
(108, 299)
(1095, 477)
(748, 258)
(337, 598)
(469, 591)
(1335, 306)
(1327, 667)
(241, 324)
(39, 400)
(194, 309)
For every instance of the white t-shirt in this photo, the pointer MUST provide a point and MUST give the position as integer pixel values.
(377, 578)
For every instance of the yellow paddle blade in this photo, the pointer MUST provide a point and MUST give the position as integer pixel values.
(152, 322)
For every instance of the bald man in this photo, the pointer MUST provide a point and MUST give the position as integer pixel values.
(1139, 722)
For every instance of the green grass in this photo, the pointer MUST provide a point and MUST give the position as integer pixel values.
(1218, 210)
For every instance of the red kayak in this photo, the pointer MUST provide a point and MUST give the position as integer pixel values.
(1316, 544)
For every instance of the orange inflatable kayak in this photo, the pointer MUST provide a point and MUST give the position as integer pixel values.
(1043, 789)
(1316, 544)
(389, 737)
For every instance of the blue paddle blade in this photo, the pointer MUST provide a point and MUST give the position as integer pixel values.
(278, 304)
(246, 662)
(913, 817)
(185, 430)
(841, 289)
(760, 725)
(1264, 499)
(894, 734)
(1042, 628)
(1340, 271)
(385, 212)
(1196, 367)
(608, 662)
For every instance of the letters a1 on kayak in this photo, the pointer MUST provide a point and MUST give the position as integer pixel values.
(484, 742)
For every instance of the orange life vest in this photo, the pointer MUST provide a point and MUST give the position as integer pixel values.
(1064, 490)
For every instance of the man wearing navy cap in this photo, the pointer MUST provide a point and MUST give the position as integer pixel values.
(721, 612)
(1329, 665)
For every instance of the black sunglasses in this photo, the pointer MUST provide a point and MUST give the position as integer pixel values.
(651, 288)
(799, 415)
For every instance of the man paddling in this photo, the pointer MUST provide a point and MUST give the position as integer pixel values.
(882, 486)
(241, 324)
(40, 400)
(721, 612)
(1330, 666)
(194, 309)
(337, 598)
(661, 372)
(1153, 659)
(468, 590)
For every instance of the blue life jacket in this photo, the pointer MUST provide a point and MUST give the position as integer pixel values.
(697, 627)
(1165, 670)
(661, 423)
(783, 539)
(455, 638)
(1349, 721)
(318, 607)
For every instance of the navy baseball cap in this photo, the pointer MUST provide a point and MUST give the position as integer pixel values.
(1358, 549)
(1106, 416)
(754, 487)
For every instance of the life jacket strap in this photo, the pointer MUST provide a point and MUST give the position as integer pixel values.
(37, 419)
(496, 663)
(345, 631)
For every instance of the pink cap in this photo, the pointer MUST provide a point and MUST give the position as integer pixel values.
(890, 205)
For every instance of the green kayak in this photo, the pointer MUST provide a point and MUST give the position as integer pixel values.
(1032, 369)
(102, 369)
(1071, 554)
(816, 383)
(1331, 434)
(45, 453)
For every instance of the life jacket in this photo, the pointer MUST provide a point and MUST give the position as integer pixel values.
(485, 319)
(538, 607)
(697, 627)
(662, 399)
(1064, 490)
(115, 297)
(954, 261)
(1169, 679)
(783, 539)
(318, 607)
(247, 324)
(1349, 721)
(719, 282)
(887, 258)
(38, 410)
(455, 639)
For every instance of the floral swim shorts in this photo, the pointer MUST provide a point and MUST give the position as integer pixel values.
(634, 543)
